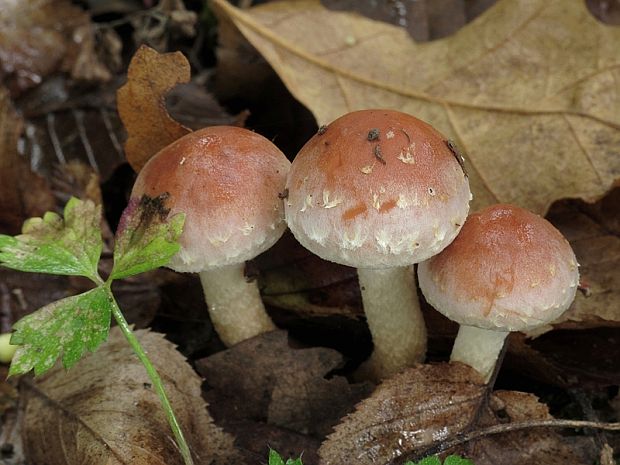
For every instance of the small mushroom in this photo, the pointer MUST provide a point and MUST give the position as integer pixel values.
(227, 181)
(379, 191)
(508, 270)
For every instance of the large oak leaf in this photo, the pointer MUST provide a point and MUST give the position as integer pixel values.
(530, 90)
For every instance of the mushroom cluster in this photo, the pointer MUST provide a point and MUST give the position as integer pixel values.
(378, 190)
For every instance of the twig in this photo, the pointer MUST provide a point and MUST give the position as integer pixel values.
(51, 129)
(78, 116)
(505, 428)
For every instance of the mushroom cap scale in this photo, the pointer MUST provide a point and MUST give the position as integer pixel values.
(227, 181)
(507, 270)
(376, 189)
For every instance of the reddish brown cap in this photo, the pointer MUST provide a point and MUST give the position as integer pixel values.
(227, 181)
(508, 269)
(377, 189)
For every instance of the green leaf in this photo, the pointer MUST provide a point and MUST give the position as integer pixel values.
(52, 245)
(146, 238)
(456, 460)
(69, 326)
(432, 460)
(276, 459)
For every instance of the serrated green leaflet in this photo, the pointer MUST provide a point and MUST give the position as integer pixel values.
(276, 459)
(146, 239)
(69, 327)
(432, 460)
(52, 245)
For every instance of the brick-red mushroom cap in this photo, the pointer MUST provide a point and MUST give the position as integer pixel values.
(227, 181)
(377, 189)
(507, 270)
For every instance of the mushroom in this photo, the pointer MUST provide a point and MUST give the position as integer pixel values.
(508, 270)
(379, 190)
(227, 181)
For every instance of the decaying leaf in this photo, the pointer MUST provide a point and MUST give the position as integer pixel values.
(105, 410)
(23, 194)
(142, 107)
(586, 358)
(412, 414)
(295, 279)
(39, 37)
(170, 18)
(408, 412)
(529, 90)
(266, 378)
(590, 230)
(254, 438)
(529, 445)
(191, 105)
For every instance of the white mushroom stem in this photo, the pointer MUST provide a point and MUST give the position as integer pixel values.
(478, 348)
(395, 320)
(235, 305)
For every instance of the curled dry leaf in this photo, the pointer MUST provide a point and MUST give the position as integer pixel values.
(264, 377)
(23, 194)
(412, 414)
(142, 107)
(104, 410)
(529, 90)
(40, 37)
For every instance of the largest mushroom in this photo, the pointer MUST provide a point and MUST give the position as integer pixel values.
(228, 181)
(380, 190)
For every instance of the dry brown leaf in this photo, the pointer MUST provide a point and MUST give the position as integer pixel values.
(105, 410)
(255, 438)
(590, 231)
(142, 107)
(39, 37)
(585, 359)
(415, 412)
(293, 278)
(265, 377)
(408, 412)
(191, 105)
(528, 446)
(530, 89)
(22, 193)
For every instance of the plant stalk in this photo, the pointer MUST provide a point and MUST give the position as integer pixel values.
(155, 379)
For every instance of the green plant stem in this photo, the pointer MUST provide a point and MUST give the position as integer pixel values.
(154, 376)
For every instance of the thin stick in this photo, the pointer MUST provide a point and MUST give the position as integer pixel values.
(504, 428)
